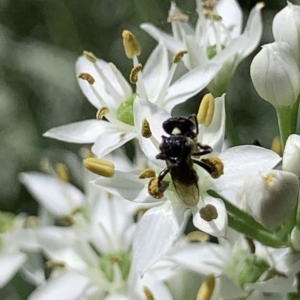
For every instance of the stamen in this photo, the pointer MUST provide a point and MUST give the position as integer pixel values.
(32, 222)
(66, 221)
(102, 112)
(276, 145)
(208, 213)
(178, 56)
(134, 74)
(269, 178)
(206, 110)
(85, 76)
(121, 80)
(148, 173)
(209, 14)
(197, 236)
(86, 153)
(148, 293)
(99, 166)
(45, 165)
(55, 264)
(146, 130)
(131, 44)
(207, 288)
(156, 188)
(216, 164)
(62, 172)
(178, 17)
(90, 56)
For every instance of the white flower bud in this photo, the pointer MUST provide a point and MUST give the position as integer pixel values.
(275, 74)
(295, 238)
(271, 196)
(286, 28)
(291, 155)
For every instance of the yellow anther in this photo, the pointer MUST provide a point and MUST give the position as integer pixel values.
(269, 178)
(197, 236)
(102, 112)
(206, 110)
(209, 14)
(207, 288)
(88, 77)
(131, 44)
(178, 17)
(146, 130)
(217, 166)
(156, 188)
(62, 172)
(90, 56)
(276, 145)
(55, 264)
(178, 56)
(148, 294)
(66, 221)
(99, 166)
(260, 4)
(148, 173)
(208, 212)
(134, 74)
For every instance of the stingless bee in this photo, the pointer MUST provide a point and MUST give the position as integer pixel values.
(180, 150)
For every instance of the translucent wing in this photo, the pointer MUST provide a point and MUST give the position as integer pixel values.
(189, 194)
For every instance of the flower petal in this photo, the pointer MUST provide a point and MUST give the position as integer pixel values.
(60, 198)
(156, 232)
(190, 84)
(83, 132)
(216, 227)
(109, 141)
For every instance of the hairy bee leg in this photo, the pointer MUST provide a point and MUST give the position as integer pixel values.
(163, 173)
(206, 150)
(163, 185)
(203, 165)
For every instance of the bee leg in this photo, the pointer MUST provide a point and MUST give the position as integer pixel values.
(203, 165)
(163, 185)
(193, 118)
(206, 150)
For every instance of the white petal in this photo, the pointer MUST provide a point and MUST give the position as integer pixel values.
(215, 132)
(215, 227)
(172, 44)
(190, 84)
(9, 265)
(232, 16)
(83, 132)
(69, 286)
(60, 198)
(156, 71)
(110, 141)
(239, 161)
(156, 232)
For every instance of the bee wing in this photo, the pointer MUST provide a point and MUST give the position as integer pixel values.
(189, 194)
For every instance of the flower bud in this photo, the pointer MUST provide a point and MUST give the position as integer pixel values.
(275, 74)
(291, 155)
(286, 28)
(271, 196)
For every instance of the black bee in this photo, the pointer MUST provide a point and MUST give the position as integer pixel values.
(179, 150)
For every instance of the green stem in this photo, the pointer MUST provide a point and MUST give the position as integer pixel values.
(231, 131)
(294, 115)
(284, 115)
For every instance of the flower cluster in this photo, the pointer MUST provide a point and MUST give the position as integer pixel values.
(126, 235)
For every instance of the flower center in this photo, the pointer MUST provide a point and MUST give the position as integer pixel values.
(108, 261)
(125, 111)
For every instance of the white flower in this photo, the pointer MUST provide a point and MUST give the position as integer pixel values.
(161, 225)
(106, 88)
(286, 28)
(243, 270)
(270, 196)
(217, 38)
(275, 74)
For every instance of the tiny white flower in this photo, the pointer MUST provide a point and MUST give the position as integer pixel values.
(275, 74)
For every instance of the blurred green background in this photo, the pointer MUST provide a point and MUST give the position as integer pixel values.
(40, 41)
